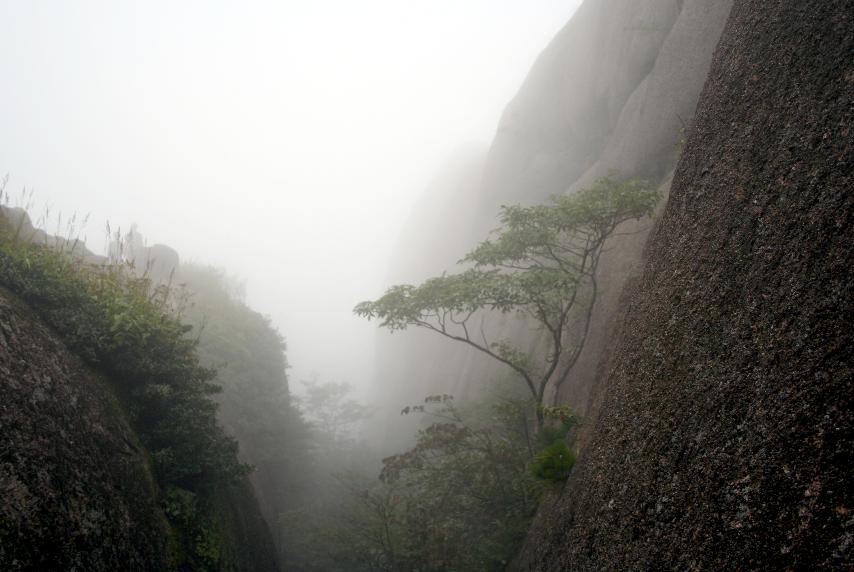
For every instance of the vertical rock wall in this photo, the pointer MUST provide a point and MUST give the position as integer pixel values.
(725, 433)
(76, 491)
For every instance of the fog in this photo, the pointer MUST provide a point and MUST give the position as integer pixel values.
(285, 142)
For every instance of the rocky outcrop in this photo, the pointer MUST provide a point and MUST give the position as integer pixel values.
(611, 91)
(77, 492)
(724, 437)
(160, 262)
(19, 223)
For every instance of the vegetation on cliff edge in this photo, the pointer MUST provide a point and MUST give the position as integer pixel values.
(127, 327)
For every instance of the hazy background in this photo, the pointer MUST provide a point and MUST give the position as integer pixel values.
(283, 141)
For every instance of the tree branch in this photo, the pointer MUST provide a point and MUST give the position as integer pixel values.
(466, 340)
(576, 353)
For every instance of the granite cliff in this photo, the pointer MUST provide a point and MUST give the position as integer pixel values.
(725, 431)
(84, 480)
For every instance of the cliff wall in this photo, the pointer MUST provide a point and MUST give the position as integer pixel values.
(75, 482)
(725, 431)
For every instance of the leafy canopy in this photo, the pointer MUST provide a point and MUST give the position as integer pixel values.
(540, 262)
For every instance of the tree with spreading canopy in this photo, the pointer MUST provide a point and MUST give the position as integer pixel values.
(541, 262)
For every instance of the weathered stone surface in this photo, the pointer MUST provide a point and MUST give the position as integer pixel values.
(76, 491)
(76, 488)
(725, 432)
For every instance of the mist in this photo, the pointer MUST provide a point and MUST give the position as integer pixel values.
(391, 286)
(285, 142)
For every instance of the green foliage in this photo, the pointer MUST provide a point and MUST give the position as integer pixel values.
(179, 504)
(207, 547)
(349, 535)
(460, 499)
(554, 462)
(466, 492)
(255, 403)
(296, 445)
(559, 420)
(541, 263)
(124, 325)
(201, 543)
(328, 529)
(560, 229)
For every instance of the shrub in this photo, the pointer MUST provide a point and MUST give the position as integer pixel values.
(554, 462)
(124, 325)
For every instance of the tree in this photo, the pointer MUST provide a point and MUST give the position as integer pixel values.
(333, 528)
(461, 498)
(330, 409)
(465, 491)
(541, 263)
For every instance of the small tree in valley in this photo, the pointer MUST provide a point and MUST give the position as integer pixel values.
(542, 263)
(329, 407)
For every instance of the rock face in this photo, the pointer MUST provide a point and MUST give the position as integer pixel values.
(161, 262)
(614, 90)
(76, 489)
(725, 432)
(67, 415)
(18, 221)
(611, 91)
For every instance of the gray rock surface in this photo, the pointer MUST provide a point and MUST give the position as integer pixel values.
(725, 431)
(76, 488)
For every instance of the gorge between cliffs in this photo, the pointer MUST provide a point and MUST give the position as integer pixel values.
(414, 287)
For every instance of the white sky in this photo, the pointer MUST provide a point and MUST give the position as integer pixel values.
(284, 141)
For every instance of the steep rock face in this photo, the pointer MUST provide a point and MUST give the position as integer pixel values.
(247, 542)
(255, 404)
(613, 90)
(76, 490)
(725, 434)
(652, 124)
